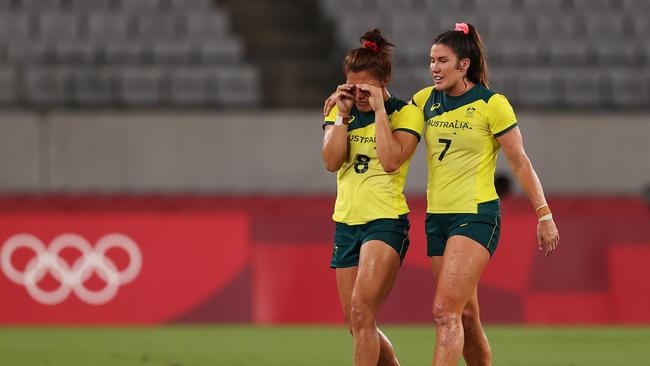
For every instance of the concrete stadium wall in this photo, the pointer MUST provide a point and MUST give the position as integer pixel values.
(279, 152)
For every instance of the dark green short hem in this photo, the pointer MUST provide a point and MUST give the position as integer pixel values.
(346, 265)
(484, 229)
(348, 239)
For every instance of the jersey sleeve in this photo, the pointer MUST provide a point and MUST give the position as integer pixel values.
(501, 116)
(420, 98)
(409, 119)
(330, 118)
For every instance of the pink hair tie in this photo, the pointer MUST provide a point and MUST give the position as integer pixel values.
(370, 44)
(462, 27)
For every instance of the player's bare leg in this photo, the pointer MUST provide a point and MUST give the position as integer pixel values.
(462, 265)
(476, 348)
(361, 294)
(345, 278)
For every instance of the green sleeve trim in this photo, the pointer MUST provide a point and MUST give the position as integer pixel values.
(409, 131)
(327, 123)
(506, 130)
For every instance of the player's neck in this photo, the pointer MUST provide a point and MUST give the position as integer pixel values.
(460, 88)
(385, 94)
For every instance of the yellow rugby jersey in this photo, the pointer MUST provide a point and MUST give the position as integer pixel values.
(365, 192)
(462, 147)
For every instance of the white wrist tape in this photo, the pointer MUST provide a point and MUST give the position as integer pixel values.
(339, 120)
(545, 218)
(544, 205)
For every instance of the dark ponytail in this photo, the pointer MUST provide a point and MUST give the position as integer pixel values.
(467, 45)
(374, 55)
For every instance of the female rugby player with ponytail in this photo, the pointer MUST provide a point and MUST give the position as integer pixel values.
(369, 139)
(466, 125)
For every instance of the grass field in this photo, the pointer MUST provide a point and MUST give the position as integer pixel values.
(306, 346)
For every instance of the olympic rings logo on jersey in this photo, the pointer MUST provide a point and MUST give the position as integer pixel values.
(71, 278)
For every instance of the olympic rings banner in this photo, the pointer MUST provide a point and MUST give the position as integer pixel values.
(116, 268)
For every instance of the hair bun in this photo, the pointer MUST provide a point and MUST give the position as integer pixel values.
(374, 40)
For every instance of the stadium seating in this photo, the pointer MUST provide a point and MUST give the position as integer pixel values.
(124, 53)
(534, 48)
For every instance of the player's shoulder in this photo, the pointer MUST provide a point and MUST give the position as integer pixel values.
(420, 98)
(403, 108)
(490, 96)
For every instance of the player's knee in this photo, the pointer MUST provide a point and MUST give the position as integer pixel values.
(361, 315)
(444, 314)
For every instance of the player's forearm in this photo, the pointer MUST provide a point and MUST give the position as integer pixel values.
(389, 150)
(529, 181)
(335, 147)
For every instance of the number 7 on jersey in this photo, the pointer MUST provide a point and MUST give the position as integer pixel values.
(447, 143)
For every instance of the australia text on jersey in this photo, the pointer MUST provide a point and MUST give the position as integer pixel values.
(446, 124)
(361, 139)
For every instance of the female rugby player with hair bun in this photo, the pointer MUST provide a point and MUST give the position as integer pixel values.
(466, 125)
(369, 139)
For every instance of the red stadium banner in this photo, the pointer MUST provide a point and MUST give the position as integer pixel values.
(116, 268)
(266, 260)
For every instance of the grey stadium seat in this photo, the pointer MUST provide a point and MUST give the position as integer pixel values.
(109, 26)
(173, 52)
(568, 52)
(606, 26)
(630, 88)
(7, 5)
(46, 85)
(215, 24)
(58, 26)
(125, 52)
(193, 6)
(157, 26)
(219, 50)
(7, 85)
(514, 52)
(34, 6)
(546, 7)
(32, 52)
(637, 6)
(517, 28)
(641, 24)
(540, 88)
(93, 85)
(614, 52)
(595, 6)
(141, 86)
(550, 28)
(498, 8)
(234, 86)
(409, 26)
(15, 27)
(86, 6)
(140, 6)
(583, 88)
(505, 82)
(75, 52)
(351, 27)
(189, 86)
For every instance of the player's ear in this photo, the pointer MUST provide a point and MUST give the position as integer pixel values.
(464, 64)
(385, 82)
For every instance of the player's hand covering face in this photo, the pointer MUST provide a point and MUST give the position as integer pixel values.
(343, 98)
